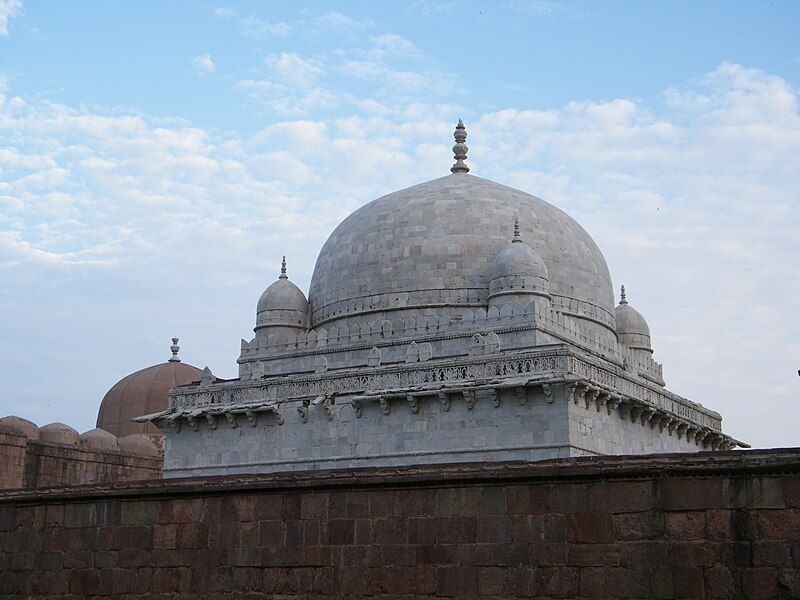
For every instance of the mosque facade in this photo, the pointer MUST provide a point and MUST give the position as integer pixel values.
(457, 320)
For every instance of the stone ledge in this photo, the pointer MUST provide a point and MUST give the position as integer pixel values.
(778, 460)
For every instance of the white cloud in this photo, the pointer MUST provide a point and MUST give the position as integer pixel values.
(9, 10)
(428, 8)
(203, 64)
(394, 46)
(258, 28)
(692, 198)
(293, 69)
(226, 12)
(337, 22)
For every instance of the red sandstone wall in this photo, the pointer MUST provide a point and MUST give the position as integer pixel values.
(12, 460)
(28, 463)
(680, 526)
(49, 465)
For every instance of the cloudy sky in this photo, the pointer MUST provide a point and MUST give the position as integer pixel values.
(157, 159)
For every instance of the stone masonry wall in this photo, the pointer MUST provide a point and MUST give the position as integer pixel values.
(12, 460)
(28, 463)
(49, 465)
(722, 525)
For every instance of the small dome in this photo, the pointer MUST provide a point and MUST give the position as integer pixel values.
(99, 439)
(139, 443)
(282, 304)
(518, 269)
(142, 393)
(58, 433)
(632, 329)
(283, 295)
(19, 426)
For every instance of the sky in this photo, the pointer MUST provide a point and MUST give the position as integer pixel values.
(158, 158)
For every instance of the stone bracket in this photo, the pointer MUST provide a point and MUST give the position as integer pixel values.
(548, 392)
(470, 398)
(444, 400)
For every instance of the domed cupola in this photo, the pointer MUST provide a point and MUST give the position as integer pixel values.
(518, 274)
(632, 329)
(282, 308)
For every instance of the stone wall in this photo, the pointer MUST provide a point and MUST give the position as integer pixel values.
(49, 465)
(667, 526)
(56, 455)
(13, 448)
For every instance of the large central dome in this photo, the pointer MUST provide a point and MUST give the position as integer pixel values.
(428, 249)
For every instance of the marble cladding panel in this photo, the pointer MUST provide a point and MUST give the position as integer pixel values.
(510, 431)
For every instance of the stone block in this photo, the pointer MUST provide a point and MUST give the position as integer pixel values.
(720, 525)
(603, 583)
(558, 582)
(192, 535)
(760, 583)
(48, 561)
(84, 582)
(591, 555)
(720, 582)
(456, 581)
(770, 553)
(695, 554)
(686, 525)
(753, 492)
(570, 498)
(165, 536)
(456, 530)
(686, 493)
(778, 524)
(638, 526)
(134, 558)
(644, 554)
(622, 496)
(687, 582)
(139, 512)
(589, 527)
(789, 582)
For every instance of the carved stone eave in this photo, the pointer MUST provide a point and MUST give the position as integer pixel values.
(558, 371)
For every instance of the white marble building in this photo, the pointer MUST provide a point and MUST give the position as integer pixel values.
(456, 320)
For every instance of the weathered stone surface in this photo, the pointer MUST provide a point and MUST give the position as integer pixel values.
(493, 531)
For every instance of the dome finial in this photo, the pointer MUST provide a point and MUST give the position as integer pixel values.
(460, 149)
(283, 269)
(174, 348)
(623, 299)
(516, 230)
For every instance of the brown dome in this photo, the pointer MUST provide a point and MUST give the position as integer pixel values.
(19, 426)
(142, 393)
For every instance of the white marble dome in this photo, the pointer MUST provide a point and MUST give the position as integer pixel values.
(282, 307)
(517, 273)
(430, 247)
(633, 330)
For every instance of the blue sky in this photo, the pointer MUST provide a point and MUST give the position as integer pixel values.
(157, 159)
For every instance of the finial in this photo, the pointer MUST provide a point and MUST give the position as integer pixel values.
(460, 149)
(516, 230)
(283, 269)
(174, 349)
(622, 298)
